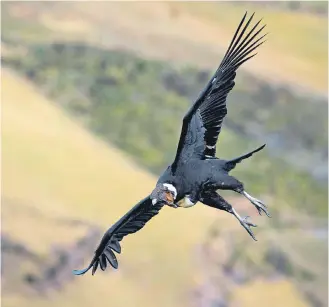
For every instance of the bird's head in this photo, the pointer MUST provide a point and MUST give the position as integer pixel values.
(165, 193)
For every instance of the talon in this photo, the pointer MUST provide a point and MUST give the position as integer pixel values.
(245, 220)
(245, 223)
(260, 206)
(259, 211)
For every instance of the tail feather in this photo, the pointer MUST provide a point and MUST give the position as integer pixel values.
(230, 164)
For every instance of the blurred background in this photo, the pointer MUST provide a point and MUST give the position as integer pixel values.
(93, 94)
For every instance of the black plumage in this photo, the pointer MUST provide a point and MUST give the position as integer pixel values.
(196, 174)
(210, 106)
(131, 222)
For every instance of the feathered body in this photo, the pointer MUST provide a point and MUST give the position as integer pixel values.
(195, 176)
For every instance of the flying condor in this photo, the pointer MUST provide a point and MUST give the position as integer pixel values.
(196, 173)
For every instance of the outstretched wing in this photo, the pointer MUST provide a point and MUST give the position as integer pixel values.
(203, 122)
(131, 222)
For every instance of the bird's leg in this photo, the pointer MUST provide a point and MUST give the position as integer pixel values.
(260, 206)
(231, 183)
(212, 199)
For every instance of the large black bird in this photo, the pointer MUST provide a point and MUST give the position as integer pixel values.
(196, 174)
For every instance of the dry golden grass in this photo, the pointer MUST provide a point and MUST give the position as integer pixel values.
(262, 293)
(296, 51)
(194, 33)
(19, 217)
(52, 164)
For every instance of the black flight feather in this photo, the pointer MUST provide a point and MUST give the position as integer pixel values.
(200, 130)
(210, 107)
(131, 222)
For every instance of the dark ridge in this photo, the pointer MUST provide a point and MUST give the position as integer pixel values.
(53, 271)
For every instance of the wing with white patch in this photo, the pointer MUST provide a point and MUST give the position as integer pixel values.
(203, 122)
(131, 222)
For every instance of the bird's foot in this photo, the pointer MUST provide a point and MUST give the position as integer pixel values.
(260, 206)
(245, 223)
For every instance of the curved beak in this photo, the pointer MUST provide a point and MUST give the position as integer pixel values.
(169, 198)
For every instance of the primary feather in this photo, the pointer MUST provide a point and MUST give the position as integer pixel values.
(131, 222)
(203, 122)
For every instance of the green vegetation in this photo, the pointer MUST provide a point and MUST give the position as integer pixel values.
(296, 52)
(288, 254)
(138, 105)
(300, 49)
(319, 8)
(52, 168)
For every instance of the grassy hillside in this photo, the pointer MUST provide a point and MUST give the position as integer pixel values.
(287, 253)
(165, 30)
(53, 165)
(54, 169)
(107, 88)
(61, 182)
(290, 254)
(297, 40)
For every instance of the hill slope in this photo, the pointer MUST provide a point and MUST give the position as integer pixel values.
(58, 169)
(54, 169)
(165, 30)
